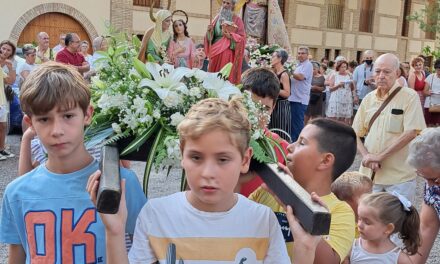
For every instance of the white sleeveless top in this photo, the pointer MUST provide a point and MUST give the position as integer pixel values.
(361, 256)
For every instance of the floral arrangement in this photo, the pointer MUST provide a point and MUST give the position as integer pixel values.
(141, 102)
(164, 54)
(260, 55)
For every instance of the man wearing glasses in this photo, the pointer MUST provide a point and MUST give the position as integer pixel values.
(300, 91)
(70, 54)
(44, 53)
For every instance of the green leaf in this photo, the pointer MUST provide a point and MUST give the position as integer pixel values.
(136, 42)
(137, 142)
(226, 70)
(277, 145)
(99, 84)
(268, 148)
(111, 51)
(259, 152)
(119, 50)
(150, 58)
(150, 158)
(141, 69)
(103, 53)
(116, 137)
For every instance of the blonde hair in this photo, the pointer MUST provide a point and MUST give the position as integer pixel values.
(54, 84)
(350, 183)
(390, 210)
(212, 114)
(417, 60)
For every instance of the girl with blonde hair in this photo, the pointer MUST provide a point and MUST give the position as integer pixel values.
(381, 215)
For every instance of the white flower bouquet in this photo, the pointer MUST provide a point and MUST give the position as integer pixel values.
(142, 104)
(260, 55)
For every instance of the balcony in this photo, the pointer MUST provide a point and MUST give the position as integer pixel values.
(335, 16)
(366, 20)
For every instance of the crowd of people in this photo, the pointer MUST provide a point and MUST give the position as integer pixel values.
(322, 114)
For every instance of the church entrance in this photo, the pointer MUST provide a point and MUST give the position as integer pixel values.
(53, 24)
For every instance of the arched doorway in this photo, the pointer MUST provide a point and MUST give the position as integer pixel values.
(53, 24)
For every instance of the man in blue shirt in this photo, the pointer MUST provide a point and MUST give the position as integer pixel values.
(363, 75)
(300, 91)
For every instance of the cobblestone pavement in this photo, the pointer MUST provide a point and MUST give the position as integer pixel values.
(159, 186)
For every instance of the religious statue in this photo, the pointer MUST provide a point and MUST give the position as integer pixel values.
(255, 19)
(156, 39)
(225, 41)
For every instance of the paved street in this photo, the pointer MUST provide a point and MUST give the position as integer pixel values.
(159, 186)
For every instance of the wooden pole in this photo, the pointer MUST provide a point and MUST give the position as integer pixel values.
(210, 11)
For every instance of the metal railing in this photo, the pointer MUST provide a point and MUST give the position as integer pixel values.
(335, 16)
(366, 20)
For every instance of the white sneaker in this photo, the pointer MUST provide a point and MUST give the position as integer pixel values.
(2, 157)
(6, 154)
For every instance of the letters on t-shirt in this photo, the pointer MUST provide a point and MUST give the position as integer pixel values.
(42, 232)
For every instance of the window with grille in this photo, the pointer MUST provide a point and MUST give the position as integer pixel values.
(146, 3)
(431, 19)
(335, 14)
(366, 16)
(405, 21)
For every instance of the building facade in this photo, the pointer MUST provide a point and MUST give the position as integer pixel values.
(328, 27)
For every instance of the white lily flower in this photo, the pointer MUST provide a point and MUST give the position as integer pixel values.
(224, 89)
(166, 78)
(199, 74)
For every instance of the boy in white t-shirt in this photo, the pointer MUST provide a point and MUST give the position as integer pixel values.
(209, 223)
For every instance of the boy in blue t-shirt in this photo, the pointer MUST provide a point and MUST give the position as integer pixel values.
(47, 215)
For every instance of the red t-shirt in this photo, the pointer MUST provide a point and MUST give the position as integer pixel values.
(247, 188)
(66, 57)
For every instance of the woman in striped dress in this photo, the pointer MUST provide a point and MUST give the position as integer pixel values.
(280, 118)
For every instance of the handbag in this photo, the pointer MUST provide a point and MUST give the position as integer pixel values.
(434, 109)
(9, 93)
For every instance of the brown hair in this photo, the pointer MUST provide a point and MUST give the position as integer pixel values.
(350, 183)
(53, 84)
(339, 64)
(9, 43)
(391, 211)
(262, 82)
(342, 144)
(213, 113)
(417, 60)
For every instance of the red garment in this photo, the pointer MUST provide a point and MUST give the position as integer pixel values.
(66, 57)
(247, 188)
(220, 53)
(432, 119)
(419, 85)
